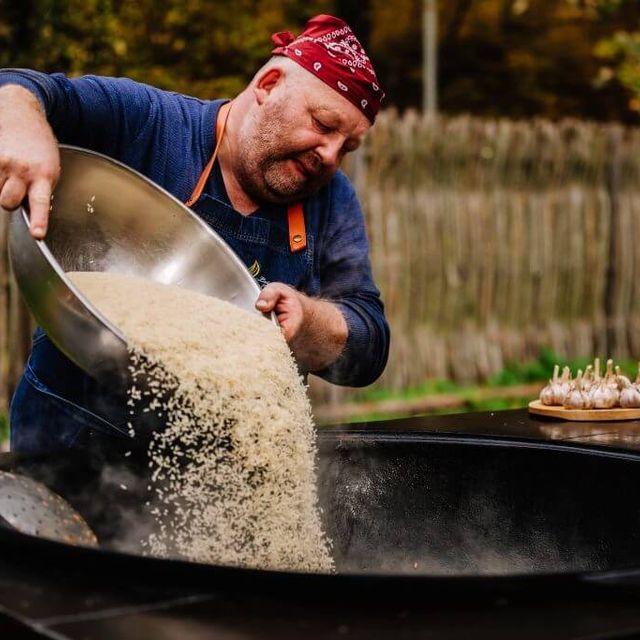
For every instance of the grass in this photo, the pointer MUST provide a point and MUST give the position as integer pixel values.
(513, 374)
(469, 404)
(542, 368)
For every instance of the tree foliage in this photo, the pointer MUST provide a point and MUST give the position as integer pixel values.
(195, 46)
(516, 58)
(620, 53)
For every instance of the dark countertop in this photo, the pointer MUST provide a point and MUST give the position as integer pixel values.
(514, 423)
(50, 603)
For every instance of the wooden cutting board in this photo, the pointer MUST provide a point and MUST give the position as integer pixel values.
(583, 415)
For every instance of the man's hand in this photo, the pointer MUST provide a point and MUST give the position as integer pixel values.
(29, 156)
(315, 329)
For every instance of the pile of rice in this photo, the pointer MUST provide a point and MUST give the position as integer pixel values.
(233, 465)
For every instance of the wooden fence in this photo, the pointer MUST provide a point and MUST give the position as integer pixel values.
(489, 240)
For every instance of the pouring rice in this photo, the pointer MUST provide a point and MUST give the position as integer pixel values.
(233, 468)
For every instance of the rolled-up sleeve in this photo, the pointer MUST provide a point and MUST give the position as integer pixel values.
(31, 80)
(164, 135)
(346, 280)
(103, 114)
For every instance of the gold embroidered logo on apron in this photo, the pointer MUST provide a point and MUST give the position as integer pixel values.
(254, 269)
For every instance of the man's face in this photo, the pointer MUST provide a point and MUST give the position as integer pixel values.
(296, 140)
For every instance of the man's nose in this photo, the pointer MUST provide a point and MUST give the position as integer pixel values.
(330, 151)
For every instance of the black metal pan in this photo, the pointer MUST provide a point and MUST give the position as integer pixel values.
(411, 516)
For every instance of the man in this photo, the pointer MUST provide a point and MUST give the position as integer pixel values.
(261, 170)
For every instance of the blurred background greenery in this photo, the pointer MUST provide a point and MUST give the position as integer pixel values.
(514, 58)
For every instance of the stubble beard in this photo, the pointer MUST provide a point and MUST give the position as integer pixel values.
(263, 172)
(287, 184)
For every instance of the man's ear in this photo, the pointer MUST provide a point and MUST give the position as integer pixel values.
(266, 82)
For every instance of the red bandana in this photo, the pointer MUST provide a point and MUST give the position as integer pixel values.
(328, 48)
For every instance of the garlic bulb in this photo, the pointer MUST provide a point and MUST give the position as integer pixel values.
(554, 393)
(577, 398)
(563, 386)
(549, 393)
(630, 395)
(588, 403)
(603, 396)
(587, 379)
(609, 376)
(596, 370)
(621, 380)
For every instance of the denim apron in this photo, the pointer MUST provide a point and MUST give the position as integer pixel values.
(273, 247)
(261, 241)
(56, 405)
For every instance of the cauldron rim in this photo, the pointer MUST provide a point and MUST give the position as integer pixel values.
(354, 435)
(117, 567)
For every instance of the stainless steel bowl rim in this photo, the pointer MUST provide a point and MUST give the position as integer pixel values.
(55, 265)
(42, 246)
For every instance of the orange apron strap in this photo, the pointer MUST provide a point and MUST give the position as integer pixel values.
(297, 232)
(204, 176)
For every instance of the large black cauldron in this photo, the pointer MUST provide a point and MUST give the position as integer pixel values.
(409, 514)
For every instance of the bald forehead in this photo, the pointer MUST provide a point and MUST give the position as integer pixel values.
(320, 97)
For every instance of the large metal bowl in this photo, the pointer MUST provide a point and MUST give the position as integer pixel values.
(107, 217)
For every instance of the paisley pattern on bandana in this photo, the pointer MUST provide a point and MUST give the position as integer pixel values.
(329, 49)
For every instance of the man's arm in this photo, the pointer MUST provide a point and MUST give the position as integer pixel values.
(347, 280)
(98, 113)
(35, 109)
(342, 336)
(315, 330)
(115, 116)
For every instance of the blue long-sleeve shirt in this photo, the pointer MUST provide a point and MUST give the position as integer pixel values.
(169, 137)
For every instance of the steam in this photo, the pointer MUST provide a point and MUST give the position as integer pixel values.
(389, 513)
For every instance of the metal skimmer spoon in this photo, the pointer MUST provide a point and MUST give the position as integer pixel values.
(32, 508)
